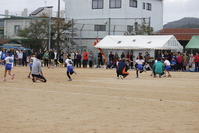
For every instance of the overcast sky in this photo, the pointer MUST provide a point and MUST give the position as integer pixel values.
(173, 9)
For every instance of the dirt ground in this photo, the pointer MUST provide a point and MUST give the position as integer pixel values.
(97, 102)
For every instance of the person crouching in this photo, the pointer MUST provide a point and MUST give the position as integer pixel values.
(122, 69)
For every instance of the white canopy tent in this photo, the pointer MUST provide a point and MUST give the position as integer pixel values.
(138, 42)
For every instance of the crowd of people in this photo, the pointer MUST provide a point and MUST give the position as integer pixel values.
(53, 58)
(178, 61)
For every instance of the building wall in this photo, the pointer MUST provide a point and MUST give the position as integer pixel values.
(10, 24)
(115, 20)
(83, 10)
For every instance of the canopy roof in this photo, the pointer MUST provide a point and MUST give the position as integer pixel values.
(193, 43)
(12, 47)
(167, 42)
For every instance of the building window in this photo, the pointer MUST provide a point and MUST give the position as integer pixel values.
(133, 3)
(97, 4)
(143, 5)
(115, 4)
(100, 28)
(149, 6)
(16, 28)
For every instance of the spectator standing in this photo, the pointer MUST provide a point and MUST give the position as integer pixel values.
(75, 58)
(51, 58)
(185, 60)
(61, 56)
(196, 59)
(131, 60)
(24, 58)
(40, 53)
(79, 58)
(179, 62)
(116, 57)
(191, 63)
(122, 55)
(158, 55)
(56, 58)
(46, 58)
(90, 58)
(111, 56)
(146, 55)
(72, 56)
(85, 58)
(100, 59)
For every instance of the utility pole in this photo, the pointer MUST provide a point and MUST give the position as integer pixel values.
(58, 17)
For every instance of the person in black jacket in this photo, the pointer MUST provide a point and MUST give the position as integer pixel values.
(24, 58)
(122, 69)
(51, 58)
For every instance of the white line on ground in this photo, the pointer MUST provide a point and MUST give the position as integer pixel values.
(134, 98)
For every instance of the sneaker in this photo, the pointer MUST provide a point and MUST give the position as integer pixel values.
(29, 77)
(136, 77)
(4, 79)
(164, 76)
(169, 75)
(70, 80)
(13, 76)
(154, 76)
(34, 79)
(121, 76)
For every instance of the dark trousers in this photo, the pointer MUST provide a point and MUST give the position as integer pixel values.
(100, 62)
(90, 63)
(56, 63)
(179, 66)
(197, 66)
(46, 62)
(85, 63)
(78, 64)
(75, 62)
(24, 62)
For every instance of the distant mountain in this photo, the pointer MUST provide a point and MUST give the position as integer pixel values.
(183, 23)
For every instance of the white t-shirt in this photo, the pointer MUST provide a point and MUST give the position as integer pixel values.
(20, 55)
(167, 63)
(72, 56)
(138, 61)
(55, 55)
(9, 60)
(33, 59)
(69, 62)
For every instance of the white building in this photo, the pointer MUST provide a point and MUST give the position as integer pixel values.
(13, 23)
(98, 18)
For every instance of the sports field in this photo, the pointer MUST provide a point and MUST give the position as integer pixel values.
(97, 102)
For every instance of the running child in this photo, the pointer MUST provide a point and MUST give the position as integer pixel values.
(168, 67)
(8, 66)
(139, 63)
(69, 64)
